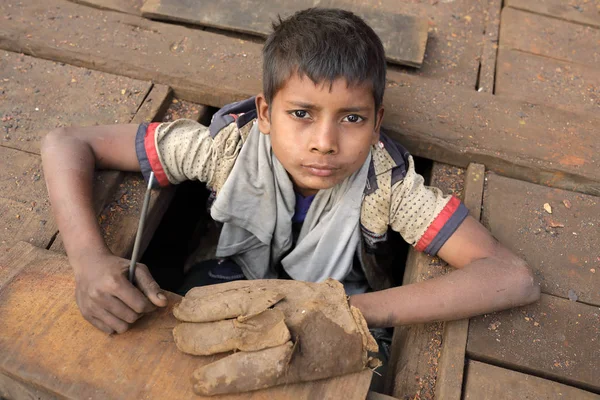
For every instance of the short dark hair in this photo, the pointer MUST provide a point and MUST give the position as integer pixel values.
(323, 44)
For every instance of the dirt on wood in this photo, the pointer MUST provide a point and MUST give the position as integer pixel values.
(555, 231)
(37, 96)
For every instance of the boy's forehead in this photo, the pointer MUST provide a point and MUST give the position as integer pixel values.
(299, 88)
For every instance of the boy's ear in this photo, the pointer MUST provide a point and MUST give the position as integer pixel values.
(377, 129)
(262, 109)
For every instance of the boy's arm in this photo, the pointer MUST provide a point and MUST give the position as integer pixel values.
(488, 278)
(69, 156)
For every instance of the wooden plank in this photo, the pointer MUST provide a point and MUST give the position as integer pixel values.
(549, 37)
(47, 344)
(412, 368)
(454, 45)
(560, 247)
(155, 105)
(474, 181)
(106, 182)
(487, 382)
(442, 122)
(553, 338)
(487, 70)
(190, 61)
(454, 341)
(584, 12)
(120, 218)
(125, 6)
(404, 37)
(38, 95)
(12, 389)
(540, 80)
(378, 396)
(538, 144)
(24, 208)
(413, 365)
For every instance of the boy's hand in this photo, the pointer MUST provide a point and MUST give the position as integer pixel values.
(105, 296)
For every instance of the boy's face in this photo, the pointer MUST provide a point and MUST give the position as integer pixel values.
(320, 134)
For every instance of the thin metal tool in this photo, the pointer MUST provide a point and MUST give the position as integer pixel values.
(140, 230)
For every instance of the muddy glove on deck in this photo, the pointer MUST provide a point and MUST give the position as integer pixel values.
(283, 331)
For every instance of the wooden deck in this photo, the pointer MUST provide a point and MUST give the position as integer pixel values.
(506, 102)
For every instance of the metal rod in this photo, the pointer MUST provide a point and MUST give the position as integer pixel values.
(140, 230)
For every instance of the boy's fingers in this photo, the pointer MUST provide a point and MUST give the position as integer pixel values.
(116, 324)
(133, 298)
(121, 310)
(101, 325)
(149, 287)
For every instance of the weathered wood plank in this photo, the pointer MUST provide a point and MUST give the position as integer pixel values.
(487, 382)
(553, 338)
(549, 37)
(487, 70)
(454, 43)
(540, 80)
(412, 368)
(560, 247)
(442, 122)
(126, 6)
(413, 365)
(155, 105)
(43, 321)
(190, 61)
(12, 389)
(454, 340)
(120, 218)
(584, 12)
(37, 96)
(24, 207)
(107, 182)
(378, 396)
(533, 143)
(404, 37)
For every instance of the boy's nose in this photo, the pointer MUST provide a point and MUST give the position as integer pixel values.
(324, 139)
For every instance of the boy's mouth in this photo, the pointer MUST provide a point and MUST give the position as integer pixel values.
(322, 170)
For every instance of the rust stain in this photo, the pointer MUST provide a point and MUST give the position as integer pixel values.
(572, 161)
(573, 259)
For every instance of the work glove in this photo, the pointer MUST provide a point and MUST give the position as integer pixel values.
(280, 331)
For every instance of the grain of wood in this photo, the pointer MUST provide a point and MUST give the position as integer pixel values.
(549, 37)
(553, 338)
(25, 212)
(487, 70)
(559, 247)
(442, 122)
(107, 182)
(37, 96)
(454, 340)
(141, 363)
(404, 37)
(11, 388)
(584, 12)
(488, 382)
(540, 80)
(413, 365)
(124, 6)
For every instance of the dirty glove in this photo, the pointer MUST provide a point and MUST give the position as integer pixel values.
(281, 331)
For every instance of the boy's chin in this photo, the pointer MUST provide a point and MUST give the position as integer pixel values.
(312, 186)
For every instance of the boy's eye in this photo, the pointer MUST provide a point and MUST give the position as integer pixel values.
(300, 114)
(353, 118)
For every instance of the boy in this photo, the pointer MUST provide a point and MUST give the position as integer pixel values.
(306, 187)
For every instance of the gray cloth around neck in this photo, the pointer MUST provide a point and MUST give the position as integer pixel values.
(256, 206)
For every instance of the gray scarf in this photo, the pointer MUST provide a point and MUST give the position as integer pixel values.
(256, 206)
